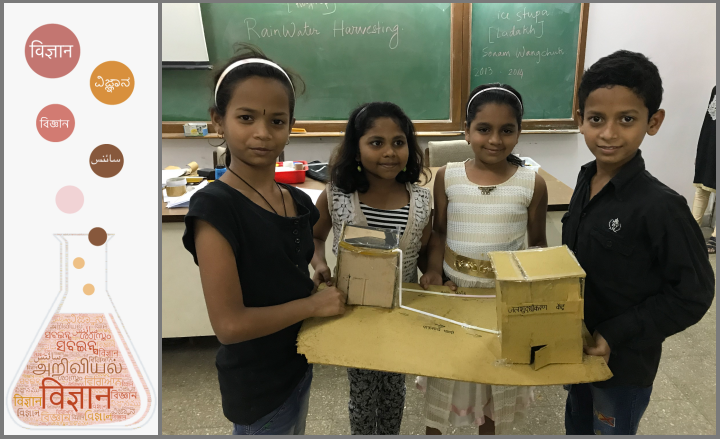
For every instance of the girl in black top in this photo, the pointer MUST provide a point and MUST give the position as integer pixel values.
(252, 239)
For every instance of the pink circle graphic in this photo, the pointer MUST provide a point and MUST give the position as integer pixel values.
(69, 199)
(52, 51)
(55, 123)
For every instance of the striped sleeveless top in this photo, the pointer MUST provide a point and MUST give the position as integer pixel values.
(386, 219)
(479, 223)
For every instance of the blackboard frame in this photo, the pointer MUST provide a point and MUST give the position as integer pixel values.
(460, 28)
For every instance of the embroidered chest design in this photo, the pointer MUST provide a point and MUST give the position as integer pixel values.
(615, 225)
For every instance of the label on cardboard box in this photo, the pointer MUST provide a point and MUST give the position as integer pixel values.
(195, 129)
(542, 308)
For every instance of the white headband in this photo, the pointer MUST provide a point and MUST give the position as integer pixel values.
(250, 61)
(467, 112)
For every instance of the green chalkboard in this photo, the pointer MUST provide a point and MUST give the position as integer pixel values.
(347, 54)
(530, 46)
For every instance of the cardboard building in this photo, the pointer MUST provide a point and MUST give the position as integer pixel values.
(539, 306)
(369, 265)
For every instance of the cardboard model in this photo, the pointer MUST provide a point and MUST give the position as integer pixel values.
(401, 341)
(539, 306)
(369, 265)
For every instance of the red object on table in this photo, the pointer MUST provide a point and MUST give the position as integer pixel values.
(292, 177)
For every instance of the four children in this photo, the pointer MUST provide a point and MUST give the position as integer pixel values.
(648, 274)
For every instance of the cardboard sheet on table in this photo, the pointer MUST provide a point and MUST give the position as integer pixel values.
(403, 341)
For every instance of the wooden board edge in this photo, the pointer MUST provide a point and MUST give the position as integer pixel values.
(580, 66)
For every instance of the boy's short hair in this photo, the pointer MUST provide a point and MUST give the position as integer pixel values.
(630, 69)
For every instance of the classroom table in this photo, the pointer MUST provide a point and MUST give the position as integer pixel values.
(558, 195)
(184, 313)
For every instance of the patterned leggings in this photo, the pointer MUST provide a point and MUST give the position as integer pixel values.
(377, 400)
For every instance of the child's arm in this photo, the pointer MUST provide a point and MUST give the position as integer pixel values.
(231, 320)
(424, 240)
(320, 233)
(537, 213)
(436, 245)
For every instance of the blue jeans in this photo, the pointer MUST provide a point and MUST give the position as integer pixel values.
(613, 410)
(289, 418)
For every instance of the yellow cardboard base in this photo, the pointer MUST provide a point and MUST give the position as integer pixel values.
(403, 341)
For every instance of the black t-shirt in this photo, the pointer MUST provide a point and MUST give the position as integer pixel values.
(648, 274)
(272, 254)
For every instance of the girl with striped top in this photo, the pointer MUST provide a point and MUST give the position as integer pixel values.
(374, 179)
(489, 203)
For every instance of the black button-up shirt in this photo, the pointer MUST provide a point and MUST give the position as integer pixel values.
(648, 274)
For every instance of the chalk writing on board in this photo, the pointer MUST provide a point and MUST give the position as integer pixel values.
(326, 8)
(523, 29)
(520, 52)
(343, 30)
(487, 52)
(340, 29)
(496, 33)
(488, 71)
(524, 15)
(527, 53)
(287, 31)
(516, 72)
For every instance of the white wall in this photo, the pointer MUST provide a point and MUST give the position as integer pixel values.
(678, 38)
(681, 40)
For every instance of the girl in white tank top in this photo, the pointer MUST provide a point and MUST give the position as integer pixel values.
(489, 203)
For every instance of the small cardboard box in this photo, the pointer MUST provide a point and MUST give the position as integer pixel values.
(369, 265)
(539, 306)
(195, 129)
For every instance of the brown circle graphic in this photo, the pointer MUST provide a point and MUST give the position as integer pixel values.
(52, 51)
(88, 289)
(112, 82)
(78, 263)
(97, 236)
(106, 160)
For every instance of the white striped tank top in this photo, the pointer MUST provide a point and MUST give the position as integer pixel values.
(386, 219)
(479, 223)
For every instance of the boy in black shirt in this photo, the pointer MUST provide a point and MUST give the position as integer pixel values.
(648, 274)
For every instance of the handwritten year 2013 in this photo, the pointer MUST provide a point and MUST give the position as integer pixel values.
(488, 71)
